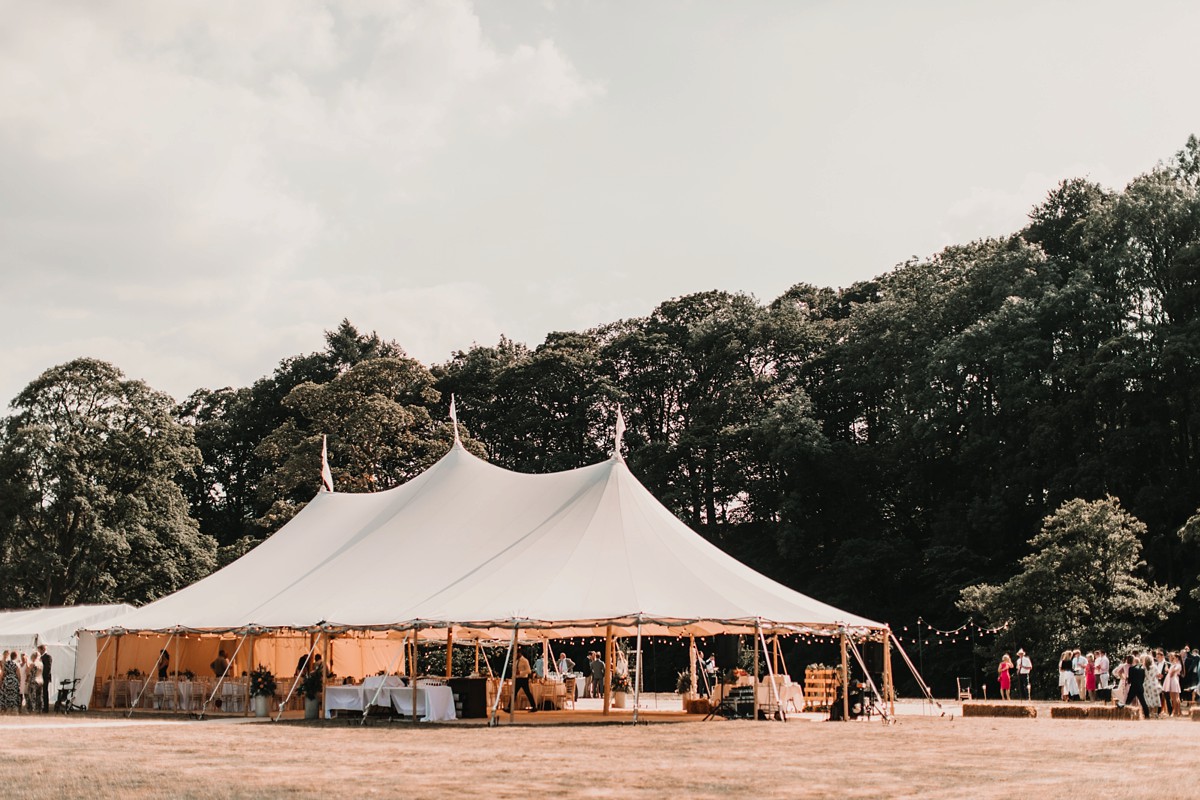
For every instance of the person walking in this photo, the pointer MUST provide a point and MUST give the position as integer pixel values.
(1136, 678)
(521, 672)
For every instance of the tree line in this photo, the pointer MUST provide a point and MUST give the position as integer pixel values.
(908, 445)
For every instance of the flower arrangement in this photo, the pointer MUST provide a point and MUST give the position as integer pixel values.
(312, 684)
(134, 673)
(620, 683)
(262, 682)
(188, 675)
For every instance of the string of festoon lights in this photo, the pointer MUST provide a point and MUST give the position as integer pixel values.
(928, 635)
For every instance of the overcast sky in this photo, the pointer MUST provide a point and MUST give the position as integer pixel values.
(194, 191)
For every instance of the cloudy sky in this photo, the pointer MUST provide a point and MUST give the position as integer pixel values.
(194, 191)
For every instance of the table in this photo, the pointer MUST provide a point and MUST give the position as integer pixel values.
(343, 698)
(434, 703)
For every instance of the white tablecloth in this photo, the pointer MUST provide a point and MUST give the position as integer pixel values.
(343, 698)
(434, 703)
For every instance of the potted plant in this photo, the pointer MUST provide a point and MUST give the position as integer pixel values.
(262, 687)
(620, 687)
(311, 687)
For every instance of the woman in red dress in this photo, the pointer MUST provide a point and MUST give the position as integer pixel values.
(1089, 673)
(1005, 670)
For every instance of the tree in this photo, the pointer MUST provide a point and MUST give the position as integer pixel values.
(1080, 585)
(90, 507)
(381, 433)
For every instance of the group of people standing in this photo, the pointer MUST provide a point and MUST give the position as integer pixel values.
(1158, 681)
(25, 681)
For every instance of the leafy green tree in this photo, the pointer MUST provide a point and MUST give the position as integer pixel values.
(380, 430)
(90, 507)
(1081, 584)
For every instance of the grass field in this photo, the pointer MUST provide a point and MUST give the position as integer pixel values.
(920, 756)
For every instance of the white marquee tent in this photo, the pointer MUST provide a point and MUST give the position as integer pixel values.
(469, 545)
(74, 655)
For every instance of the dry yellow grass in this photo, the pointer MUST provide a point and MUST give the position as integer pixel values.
(927, 757)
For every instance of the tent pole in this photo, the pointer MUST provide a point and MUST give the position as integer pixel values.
(250, 659)
(845, 673)
(112, 695)
(476, 655)
(493, 720)
(754, 680)
(412, 674)
(889, 690)
(691, 664)
(608, 666)
(379, 689)
(771, 674)
(449, 652)
(146, 683)
(637, 683)
(512, 693)
(221, 677)
(775, 651)
(295, 680)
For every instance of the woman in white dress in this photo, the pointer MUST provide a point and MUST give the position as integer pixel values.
(1067, 684)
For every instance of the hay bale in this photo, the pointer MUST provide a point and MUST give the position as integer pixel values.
(1068, 712)
(998, 710)
(1113, 712)
(1196, 715)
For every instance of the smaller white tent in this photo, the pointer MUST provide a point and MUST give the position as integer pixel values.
(74, 654)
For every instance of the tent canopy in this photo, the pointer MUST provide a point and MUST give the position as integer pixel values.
(471, 546)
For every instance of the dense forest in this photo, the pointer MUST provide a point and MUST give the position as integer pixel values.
(882, 446)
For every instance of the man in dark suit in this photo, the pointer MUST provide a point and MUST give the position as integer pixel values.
(1137, 683)
(47, 677)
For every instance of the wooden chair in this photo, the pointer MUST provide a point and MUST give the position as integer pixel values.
(964, 688)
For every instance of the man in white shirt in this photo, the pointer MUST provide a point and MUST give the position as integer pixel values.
(1024, 668)
(1102, 670)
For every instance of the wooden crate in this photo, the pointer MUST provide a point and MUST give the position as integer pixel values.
(820, 686)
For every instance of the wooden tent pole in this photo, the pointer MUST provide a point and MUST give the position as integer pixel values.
(889, 690)
(412, 674)
(112, 692)
(691, 663)
(845, 678)
(476, 655)
(608, 648)
(512, 693)
(775, 652)
(754, 678)
(637, 678)
(250, 658)
(449, 652)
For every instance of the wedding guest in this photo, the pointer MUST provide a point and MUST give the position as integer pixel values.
(164, 665)
(1159, 669)
(597, 667)
(1089, 677)
(1135, 678)
(1102, 672)
(22, 668)
(1024, 673)
(1150, 685)
(220, 664)
(33, 680)
(1121, 673)
(1171, 686)
(565, 664)
(521, 672)
(1067, 685)
(1005, 669)
(10, 687)
(47, 676)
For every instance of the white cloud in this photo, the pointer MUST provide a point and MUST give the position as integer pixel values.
(176, 157)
